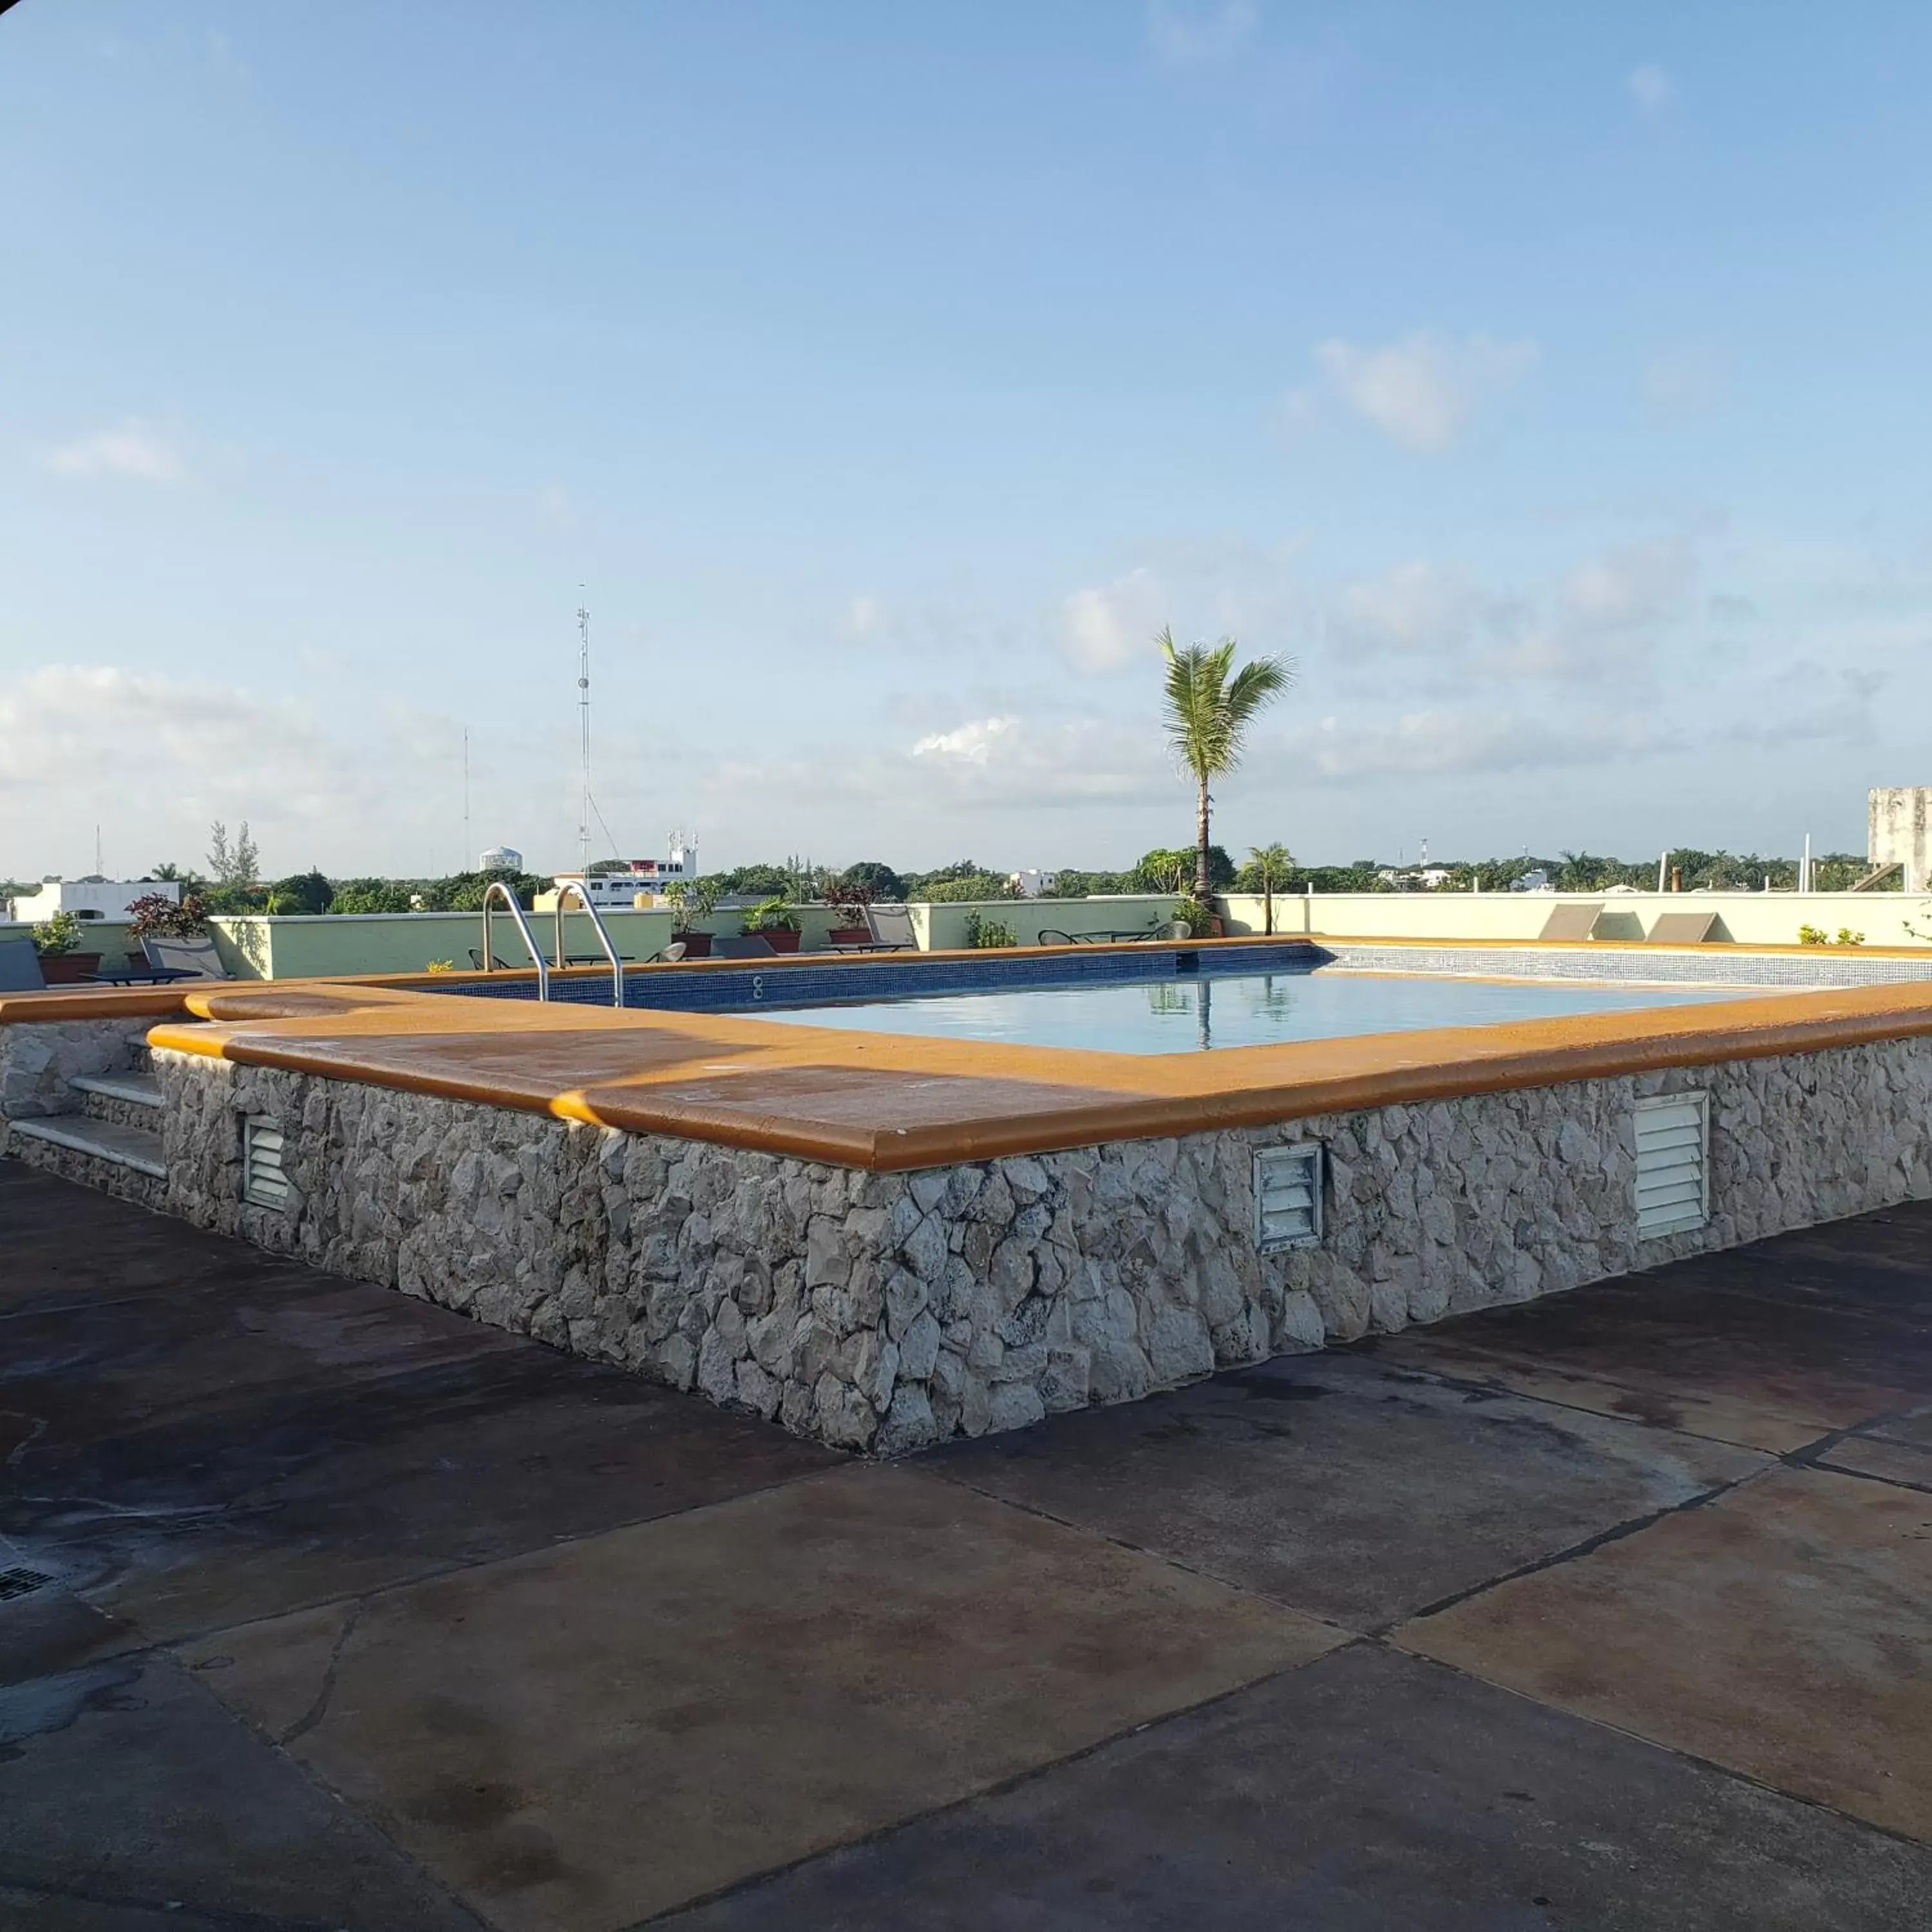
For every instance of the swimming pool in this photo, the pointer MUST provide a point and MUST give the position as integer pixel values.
(1191, 1013)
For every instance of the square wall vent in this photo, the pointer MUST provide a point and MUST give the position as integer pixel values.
(1287, 1195)
(264, 1184)
(1673, 1164)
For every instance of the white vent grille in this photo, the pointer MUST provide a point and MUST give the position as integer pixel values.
(263, 1182)
(1673, 1163)
(1287, 1195)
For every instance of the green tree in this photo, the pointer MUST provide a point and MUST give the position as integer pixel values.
(300, 892)
(1268, 870)
(1207, 714)
(879, 879)
(370, 895)
(232, 865)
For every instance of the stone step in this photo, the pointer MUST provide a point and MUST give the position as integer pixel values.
(119, 1160)
(127, 1099)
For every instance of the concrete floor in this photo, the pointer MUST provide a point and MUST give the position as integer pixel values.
(333, 1609)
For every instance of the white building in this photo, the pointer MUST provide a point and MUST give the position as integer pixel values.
(88, 898)
(647, 878)
(1034, 885)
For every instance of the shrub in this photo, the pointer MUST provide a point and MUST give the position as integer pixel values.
(440, 966)
(1846, 937)
(986, 933)
(1198, 915)
(1812, 935)
(771, 915)
(155, 915)
(59, 934)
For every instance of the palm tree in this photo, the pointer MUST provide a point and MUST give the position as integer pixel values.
(1269, 866)
(1208, 717)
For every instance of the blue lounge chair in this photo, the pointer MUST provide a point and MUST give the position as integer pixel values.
(19, 967)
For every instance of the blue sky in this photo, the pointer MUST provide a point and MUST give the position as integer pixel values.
(1546, 381)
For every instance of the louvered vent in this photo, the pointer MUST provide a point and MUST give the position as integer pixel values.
(263, 1182)
(1673, 1163)
(1287, 1195)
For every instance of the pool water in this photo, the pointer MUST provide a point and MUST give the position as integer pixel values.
(1189, 1013)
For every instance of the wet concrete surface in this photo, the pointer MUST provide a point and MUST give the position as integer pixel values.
(1351, 1490)
(778, 1675)
(1365, 1792)
(1785, 1630)
(329, 1608)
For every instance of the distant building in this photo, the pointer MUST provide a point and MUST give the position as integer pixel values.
(1034, 885)
(1898, 832)
(87, 898)
(633, 879)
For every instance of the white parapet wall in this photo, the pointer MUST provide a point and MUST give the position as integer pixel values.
(1749, 919)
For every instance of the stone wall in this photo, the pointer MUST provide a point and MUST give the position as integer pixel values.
(885, 1311)
(38, 1058)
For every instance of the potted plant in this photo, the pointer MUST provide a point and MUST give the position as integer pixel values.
(1195, 919)
(57, 940)
(777, 922)
(693, 899)
(848, 900)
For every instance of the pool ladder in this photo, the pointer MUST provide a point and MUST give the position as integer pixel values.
(564, 892)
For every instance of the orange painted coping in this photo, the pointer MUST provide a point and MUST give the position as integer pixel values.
(889, 1102)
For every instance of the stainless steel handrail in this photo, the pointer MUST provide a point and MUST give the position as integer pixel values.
(563, 891)
(490, 892)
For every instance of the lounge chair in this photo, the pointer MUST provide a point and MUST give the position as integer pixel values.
(746, 946)
(668, 955)
(1114, 935)
(19, 967)
(891, 930)
(1572, 921)
(191, 958)
(1680, 928)
(476, 960)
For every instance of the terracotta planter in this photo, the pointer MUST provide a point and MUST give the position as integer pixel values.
(68, 969)
(849, 935)
(697, 945)
(781, 938)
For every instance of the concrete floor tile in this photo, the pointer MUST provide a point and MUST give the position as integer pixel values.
(125, 1789)
(1349, 1489)
(248, 1510)
(1764, 1373)
(578, 1739)
(1784, 1630)
(1367, 1793)
(1888, 1462)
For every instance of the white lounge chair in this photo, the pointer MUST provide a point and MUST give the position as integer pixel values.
(194, 958)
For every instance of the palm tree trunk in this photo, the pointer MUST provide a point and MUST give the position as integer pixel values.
(1203, 884)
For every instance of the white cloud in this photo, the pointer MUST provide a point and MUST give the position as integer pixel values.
(1417, 606)
(1422, 392)
(1440, 743)
(130, 451)
(1632, 587)
(970, 744)
(1187, 33)
(1682, 382)
(861, 620)
(1650, 88)
(1108, 627)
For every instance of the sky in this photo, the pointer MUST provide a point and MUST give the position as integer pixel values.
(1547, 383)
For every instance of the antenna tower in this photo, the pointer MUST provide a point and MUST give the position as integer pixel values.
(584, 732)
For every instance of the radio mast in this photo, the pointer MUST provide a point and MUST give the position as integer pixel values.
(584, 723)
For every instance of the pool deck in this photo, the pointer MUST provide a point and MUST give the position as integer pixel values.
(888, 1102)
(1614, 1608)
